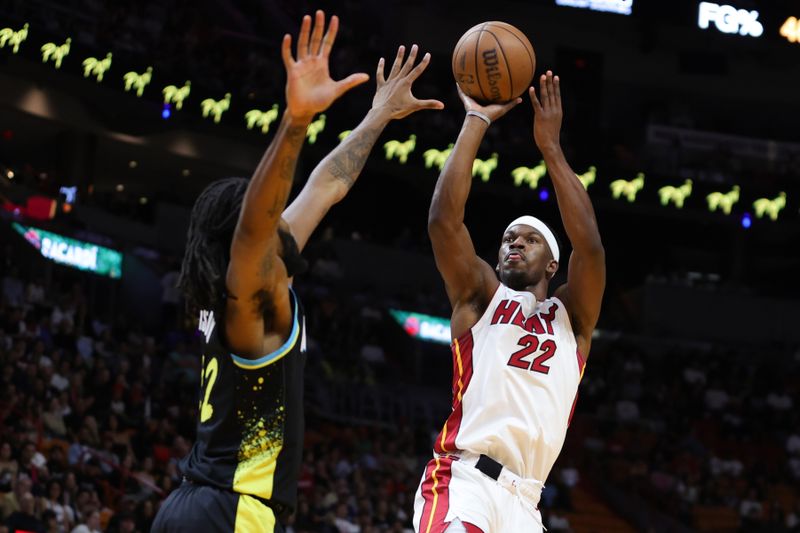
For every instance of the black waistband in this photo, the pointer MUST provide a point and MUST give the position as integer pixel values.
(489, 466)
(278, 509)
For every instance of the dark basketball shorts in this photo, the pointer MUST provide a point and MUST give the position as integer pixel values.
(193, 508)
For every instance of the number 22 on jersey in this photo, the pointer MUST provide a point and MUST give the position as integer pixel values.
(208, 375)
(530, 343)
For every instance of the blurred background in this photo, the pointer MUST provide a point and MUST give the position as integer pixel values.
(686, 418)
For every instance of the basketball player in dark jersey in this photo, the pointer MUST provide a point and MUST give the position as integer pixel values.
(241, 254)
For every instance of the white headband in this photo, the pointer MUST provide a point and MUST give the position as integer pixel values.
(542, 228)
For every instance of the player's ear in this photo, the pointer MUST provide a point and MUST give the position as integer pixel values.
(552, 268)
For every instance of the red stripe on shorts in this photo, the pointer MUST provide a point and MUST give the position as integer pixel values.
(436, 493)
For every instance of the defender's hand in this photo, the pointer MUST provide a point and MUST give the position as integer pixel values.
(309, 87)
(393, 95)
(493, 111)
(547, 113)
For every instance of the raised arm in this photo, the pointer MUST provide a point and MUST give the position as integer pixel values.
(586, 275)
(258, 314)
(335, 175)
(470, 281)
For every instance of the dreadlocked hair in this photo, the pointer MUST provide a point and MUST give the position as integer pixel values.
(208, 243)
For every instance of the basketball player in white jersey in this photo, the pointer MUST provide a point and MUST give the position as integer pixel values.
(518, 355)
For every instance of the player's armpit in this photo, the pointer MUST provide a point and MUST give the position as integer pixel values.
(258, 310)
(583, 293)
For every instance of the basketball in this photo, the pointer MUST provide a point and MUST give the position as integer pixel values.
(493, 62)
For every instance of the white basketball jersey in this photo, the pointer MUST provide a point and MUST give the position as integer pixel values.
(515, 382)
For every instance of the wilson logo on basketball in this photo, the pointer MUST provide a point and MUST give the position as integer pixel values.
(490, 65)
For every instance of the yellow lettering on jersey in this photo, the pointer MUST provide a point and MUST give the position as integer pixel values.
(210, 375)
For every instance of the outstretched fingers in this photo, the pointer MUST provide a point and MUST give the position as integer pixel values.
(557, 91)
(302, 39)
(537, 106)
(379, 72)
(316, 34)
(398, 61)
(419, 69)
(409, 64)
(330, 37)
(286, 51)
(544, 91)
(549, 85)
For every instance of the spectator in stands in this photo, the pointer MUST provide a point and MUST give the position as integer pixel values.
(8, 466)
(53, 419)
(90, 525)
(35, 295)
(24, 519)
(50, 522)
(13, 290)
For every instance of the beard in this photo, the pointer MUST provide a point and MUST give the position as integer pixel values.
(518, 280)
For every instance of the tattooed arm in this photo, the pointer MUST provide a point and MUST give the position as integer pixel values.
(258, 314)
(336, 174)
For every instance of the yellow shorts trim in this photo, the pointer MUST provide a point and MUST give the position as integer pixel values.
(253, 516)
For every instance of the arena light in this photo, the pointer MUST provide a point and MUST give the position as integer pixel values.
(315, 128)
(134, 80)
(790, 30)
(55, 52)
(423, 327)
(437, 158)
(484, 167)
(747, 221)
(620, 7)
(588, 177)
(70, 193)
(544, 194)
(770, 207)
(729, 19)
(262, 119)
(93, 66)
(166, 111)
(400, 149)
(13, 38)
(671, 194)
(72, 252)
(628, 189)
(723, 201)
(215, 108)
(529, 175)
(176, 95)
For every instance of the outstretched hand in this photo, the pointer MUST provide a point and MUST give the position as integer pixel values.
(493, 111)
(309, 86)
(547, 112)
(394, 93)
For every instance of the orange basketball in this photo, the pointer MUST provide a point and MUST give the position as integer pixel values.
(493, 62)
